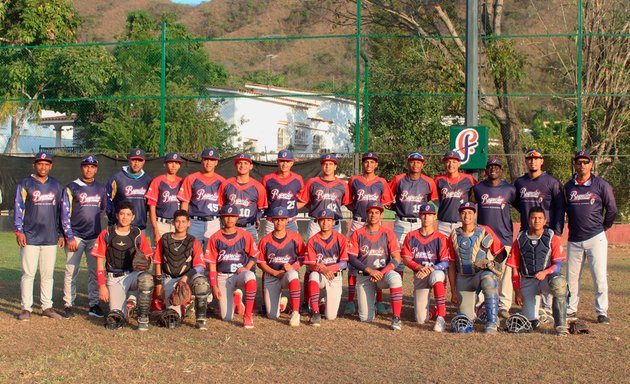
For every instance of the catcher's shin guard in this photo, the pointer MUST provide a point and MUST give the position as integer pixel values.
(489, 288)
(201, 289)
(145, 291)
(558, 288)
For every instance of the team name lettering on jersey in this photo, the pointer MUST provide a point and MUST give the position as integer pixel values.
(234, 200)
(455, 194)
(326, 260)
(376, 252)
(167, 197)
(574, 196)
(38, 197)
(405, 196)
(487, 200)
(277, 195)
(201, 195)
(272, 258)
(85, 199)
(228, 257)
(131, 191)
(531, 195)
(363, 196)
(321, 196)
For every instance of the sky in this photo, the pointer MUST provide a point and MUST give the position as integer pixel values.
(190, 2)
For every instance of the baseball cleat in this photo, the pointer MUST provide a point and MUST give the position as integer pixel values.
(262, 311)
(381, 309)
(283, 303)
(201, 325)
(68, 312)
(143, 324)
(24, 315)
(96, 311)
(131, 306)
(490, 329)
(239, 308)
(248, 321)
(603, 319)
(304, 309)
(396, 325)
(316, 320)
(294, 321)
(440, 324)
(51, 314)
(350, 308)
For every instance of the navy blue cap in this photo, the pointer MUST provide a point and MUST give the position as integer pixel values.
(285, 155)
(582, 155)
(90, 160)
(229, 210)
(374, 204)
(468, 205)
(370, 155)
(451, 155)
(494, 161)
(210, 154)
(173, 157)
(136, 153)
(243, 157)
(279, 213)
(415, 156)
(328, 157)
(43, 156)
(426, 209)
(326, 214)
(533, 153)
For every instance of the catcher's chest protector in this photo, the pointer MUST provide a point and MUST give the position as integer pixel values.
(470, 248)
(119, 254)
(177, 255)
(535, 253)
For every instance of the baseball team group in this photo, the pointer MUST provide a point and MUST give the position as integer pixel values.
(451, 229)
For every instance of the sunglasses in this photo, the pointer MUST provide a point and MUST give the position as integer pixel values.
(581, 162)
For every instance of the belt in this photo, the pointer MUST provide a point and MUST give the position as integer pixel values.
(118, 274)
(359, 219)
(203, 218)
(244, 225)
(164, 220)
(408, 219)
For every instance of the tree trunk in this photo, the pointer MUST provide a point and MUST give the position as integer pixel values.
(12, 144)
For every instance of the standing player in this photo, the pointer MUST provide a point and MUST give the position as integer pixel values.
(84, 202)
(130, 183)
(374, 252)
(494, 197)
(473, 249)
(364, 190)
(38, 233)
(246, 194)
(454, 189)
(199, 195)
(327, 257)
(425, 252)
(282, 188)
(281, 255)
(122, 257)
(179, 260)
(162, 196)
(587, 196)
(231, 254)
(536, 261)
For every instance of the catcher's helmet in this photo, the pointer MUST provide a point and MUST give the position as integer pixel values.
(170, 319)
(115, 319)
(518, 323)
(461, 324)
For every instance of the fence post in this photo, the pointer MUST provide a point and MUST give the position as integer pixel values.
(578, 139)
(366, 95)
(472, 63)
(163, 92)
(357, 79)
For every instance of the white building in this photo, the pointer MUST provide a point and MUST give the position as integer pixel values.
(309, 125)
(48, 130)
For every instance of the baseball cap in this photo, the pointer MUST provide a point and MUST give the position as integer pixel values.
(582, 155)
(468, 205)
(370, 155)
(326, 214)
(136, 153)
(533, 153)
(243, 157)
(285, 155)
(415, 156)
(451, 155)
(374, 204)
(173, 157)
(89, 160)
(328, 157)
(494, 161)
(43, 156)
(210, 154)
(426, 209)
(229, 210)
(279, 213)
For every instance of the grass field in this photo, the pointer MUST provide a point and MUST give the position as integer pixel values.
(82, 350)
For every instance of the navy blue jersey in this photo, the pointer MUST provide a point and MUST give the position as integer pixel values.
(282, 192)
(163, 195)
(586, 204)
(125, 186)
(452, 193)
(249, 198)
(364, 192)
(322, 194)
(83, 205)
(493, 208)
(411, 194)
(202, 194)
(38, 210)
(372, 250)
(229, 253)
(544, 191)
(277, 252)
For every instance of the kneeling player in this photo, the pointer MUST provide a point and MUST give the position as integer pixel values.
(327, 257)
(536, 260)
(179, 260)
(122, 257)
(375, 253)
(231, 254)
(281, 253)
(425, 252)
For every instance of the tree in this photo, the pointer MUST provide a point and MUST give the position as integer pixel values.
(34, 74)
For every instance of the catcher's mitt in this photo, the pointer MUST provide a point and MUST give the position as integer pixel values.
(578, 328)
(115, 319)
(169, 319)
(489, 265)
(181, 295)
(139, 261)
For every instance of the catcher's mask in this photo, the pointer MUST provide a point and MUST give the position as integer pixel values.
(170, 319)
(461, 324)
(518, 323)
(115, 319)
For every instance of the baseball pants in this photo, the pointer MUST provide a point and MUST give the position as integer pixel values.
(228, 283)
(267, 226)
(596, 251)
(202, 230)
(422, 292)
(366, 292)
(73, 262)
(446, 228)
(120, 286)
(467, 287)
(333, 289)
(162, 229)
(273, 289)
(34, 257)
(555, 285)
(401, 229)
(313, 228)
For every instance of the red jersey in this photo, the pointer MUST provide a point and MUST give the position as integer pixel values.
(364, 192)
(282, 192)
(249, 198)
(201, 193)
(162, 194)
(374, 251)
(230, 252)
(425, 250)
(323, 194)
(329, 252)
(277, 252)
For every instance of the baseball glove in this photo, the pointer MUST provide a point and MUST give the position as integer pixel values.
(181, 295)
(578, 328)
(115, 319)
(139, 261)
(489, 265)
